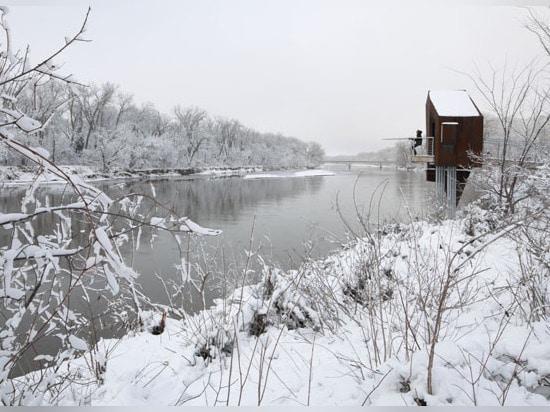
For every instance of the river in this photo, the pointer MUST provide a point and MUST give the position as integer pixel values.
(281, 218)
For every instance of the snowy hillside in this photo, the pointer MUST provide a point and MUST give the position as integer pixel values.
(368, 326)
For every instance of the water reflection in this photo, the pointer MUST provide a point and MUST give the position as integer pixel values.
(221, 200)
(242, 209)
(287, 218)
(284, 220)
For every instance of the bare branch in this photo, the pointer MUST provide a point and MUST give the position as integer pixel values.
(44, 67)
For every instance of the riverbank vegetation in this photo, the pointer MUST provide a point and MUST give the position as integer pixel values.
(101, 126)
(435, 312)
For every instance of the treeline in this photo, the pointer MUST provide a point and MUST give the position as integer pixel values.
(104, 127)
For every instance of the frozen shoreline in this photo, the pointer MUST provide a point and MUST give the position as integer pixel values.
(303, 350)
(11, 176)
(303, 173)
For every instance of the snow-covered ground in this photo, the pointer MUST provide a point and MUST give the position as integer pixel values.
(366, 326)
(303, 173)
(14, 176)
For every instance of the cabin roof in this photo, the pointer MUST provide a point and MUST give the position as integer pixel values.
(453, 103)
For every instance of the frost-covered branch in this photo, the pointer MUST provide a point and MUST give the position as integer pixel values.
(519, 101)
(49, 273)
(46, 66)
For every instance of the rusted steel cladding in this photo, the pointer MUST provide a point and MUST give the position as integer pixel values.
(457, 135)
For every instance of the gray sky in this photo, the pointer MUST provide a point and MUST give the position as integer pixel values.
(344, 73)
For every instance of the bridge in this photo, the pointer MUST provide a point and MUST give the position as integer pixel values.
(378, 163)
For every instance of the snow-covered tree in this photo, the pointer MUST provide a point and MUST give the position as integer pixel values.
(59, 281)
(228, 132)
(519, 101)
(189, 127)
(94, 106)
(517, 124)
(314, 154)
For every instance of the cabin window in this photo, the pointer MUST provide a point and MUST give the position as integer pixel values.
(449, 133)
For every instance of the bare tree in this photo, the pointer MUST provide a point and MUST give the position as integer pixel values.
(94, 105)
(520, 101)
(228, 133)
(73, 129)
(314, 154)
(539, 25)
(124, 103)
(190, 120)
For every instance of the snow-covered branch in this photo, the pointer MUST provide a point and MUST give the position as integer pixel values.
(46, 269)
(46, 66)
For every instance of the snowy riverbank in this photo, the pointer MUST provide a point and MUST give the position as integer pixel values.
(425, 313)
(19, 175)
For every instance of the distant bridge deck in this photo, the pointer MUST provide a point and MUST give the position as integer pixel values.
(360, 162)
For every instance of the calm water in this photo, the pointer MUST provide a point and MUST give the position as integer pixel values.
(286, 219)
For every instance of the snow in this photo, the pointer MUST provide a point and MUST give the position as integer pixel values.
(304, 173)
(185, 225)
(263, 176)
(8, 97)
(41, 152)
(8, 218)
(320, 346)
(453, 103)
(229, 172)
(189, 225)
(16, 176)
(307, 173)
(157, 222)
(357, 328)
(111, 280)
(12, 293)
(22, 121)
(77, 343)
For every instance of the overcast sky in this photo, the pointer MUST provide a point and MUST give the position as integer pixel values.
(344, 73)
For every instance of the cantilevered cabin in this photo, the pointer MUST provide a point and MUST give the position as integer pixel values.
(456, 125)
